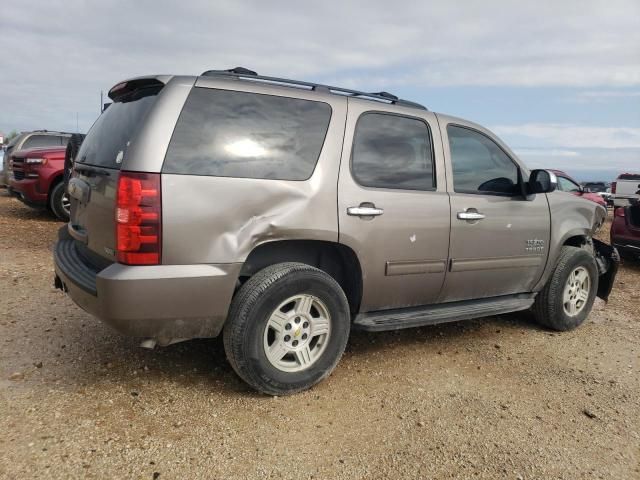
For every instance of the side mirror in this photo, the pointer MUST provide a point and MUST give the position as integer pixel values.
(542, 181)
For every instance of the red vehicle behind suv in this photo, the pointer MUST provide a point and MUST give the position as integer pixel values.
(37, 175)
(625, 229)
(37, 179)
(568, 184)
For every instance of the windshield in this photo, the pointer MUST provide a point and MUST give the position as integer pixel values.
(109, 137)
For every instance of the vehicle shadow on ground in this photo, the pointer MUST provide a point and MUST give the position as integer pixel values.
(630, 263)
(202, 364)
(23, 212)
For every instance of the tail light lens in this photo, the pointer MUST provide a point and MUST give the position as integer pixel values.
(138, 219)
(613, 187)
(619, 212)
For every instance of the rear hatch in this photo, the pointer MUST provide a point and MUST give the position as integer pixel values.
(94, 182)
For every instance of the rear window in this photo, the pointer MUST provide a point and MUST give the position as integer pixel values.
(238, 134)
(36, 141)
(106, 143)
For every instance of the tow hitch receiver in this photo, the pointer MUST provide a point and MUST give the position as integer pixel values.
(608, 260)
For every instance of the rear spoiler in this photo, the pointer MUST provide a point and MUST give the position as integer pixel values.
(128, 86)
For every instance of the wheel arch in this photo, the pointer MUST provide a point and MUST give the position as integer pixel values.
(335, 259)
(55, 180)
(576, 237)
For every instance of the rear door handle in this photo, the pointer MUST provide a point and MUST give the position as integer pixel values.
(470, 214)
(365, 210)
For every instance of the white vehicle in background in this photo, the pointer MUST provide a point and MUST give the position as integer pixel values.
(601, 188)
(625, 188)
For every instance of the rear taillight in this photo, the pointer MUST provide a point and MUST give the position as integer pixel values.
(619, 212)
(613, 187)
(138, 219)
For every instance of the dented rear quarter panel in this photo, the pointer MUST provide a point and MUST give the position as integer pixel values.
(571, 216)
(222, 219)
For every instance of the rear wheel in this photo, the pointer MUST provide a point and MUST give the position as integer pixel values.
(59, 202)
(287, 328)
(566, 300)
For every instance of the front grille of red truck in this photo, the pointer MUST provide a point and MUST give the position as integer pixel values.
(18, 168)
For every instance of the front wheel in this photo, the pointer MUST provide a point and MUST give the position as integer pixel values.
(59, 202)
(566, 300)
(287, 328)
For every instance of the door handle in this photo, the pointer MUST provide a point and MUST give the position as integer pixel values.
(365, 210)
(470, 214)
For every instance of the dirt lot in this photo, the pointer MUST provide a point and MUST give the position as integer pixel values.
(493, 398)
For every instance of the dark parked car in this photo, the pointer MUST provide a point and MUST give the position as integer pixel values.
(625, 229)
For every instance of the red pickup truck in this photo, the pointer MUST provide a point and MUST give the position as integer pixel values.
(37, 179)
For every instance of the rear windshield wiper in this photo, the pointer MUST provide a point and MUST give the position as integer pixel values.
(91, 169)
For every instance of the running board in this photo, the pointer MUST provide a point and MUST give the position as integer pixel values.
(399, 318)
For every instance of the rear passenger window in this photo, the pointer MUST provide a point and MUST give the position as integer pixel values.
(391, 151)
(479, 164)
(238, 134)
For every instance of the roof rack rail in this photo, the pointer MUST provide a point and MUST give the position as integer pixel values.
(241, 72)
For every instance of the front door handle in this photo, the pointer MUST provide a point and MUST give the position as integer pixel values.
(470, 214)
(365, 210)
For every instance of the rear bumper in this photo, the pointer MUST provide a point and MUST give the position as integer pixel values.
(167, 303)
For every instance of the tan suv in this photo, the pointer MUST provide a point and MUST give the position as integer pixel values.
(284, 213)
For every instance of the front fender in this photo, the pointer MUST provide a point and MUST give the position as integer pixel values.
(574, 220)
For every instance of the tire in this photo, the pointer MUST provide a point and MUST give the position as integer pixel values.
(550, 309)
(73, 145)
(261, 322)
(58, 202)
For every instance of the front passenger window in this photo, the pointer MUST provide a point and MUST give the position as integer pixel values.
(479, 165)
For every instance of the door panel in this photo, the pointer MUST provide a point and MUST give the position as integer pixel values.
(403, 248)
(503, 253)
(499, 239)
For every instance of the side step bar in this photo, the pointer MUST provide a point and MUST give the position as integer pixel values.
(397, 319)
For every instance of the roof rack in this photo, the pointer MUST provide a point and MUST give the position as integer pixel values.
(241, 72)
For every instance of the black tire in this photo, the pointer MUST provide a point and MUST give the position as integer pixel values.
(56, 197)
(548, 308)
(250, 311)
(70, 155)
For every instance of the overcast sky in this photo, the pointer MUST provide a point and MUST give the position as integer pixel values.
(559, 81)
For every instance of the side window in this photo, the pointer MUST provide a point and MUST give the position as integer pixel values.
(247, 135)
(567, 185)
(35, 141)
(479, 165)
(390, 151)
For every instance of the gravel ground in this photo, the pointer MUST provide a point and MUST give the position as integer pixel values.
(492, 398)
